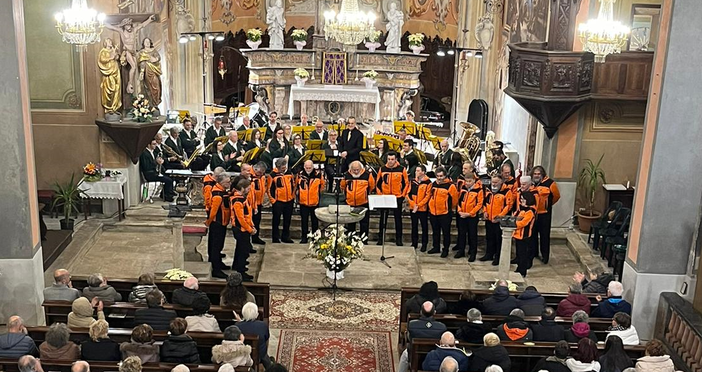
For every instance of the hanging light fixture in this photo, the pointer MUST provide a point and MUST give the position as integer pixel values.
(603, 35)
(350, 26)
(80, 25)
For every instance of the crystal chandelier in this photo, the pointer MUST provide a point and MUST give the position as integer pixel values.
(80, 25)
(604, 35)
(350, 26)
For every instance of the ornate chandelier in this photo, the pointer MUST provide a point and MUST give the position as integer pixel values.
(350, 26)
(80, 25)
(604, 35)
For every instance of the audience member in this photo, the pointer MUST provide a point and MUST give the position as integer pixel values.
(180, 368)
(15, 342)
(614, 358)
(145, 284)
(81, 315)
(501, 302)
(155, 315)
(179, 347)
(234, 294)
(580, 328)
(98, 287)
(226, 367)
(429, 291)
(547, 330)
(597, 282)
(473, 331)
(62, 289)
(656, 359)
(447, 348)
(494, 368)
(100, 347)
(531, 301)
(28, 363)
(189, 293)
(515, 328)
(130, 364)
(277, 367)
(232, 350)
(424, 327)
(622, 327)
(250, 325)
(468, 300)
(575, 301)
(492, 353)
(613, 304)
(557, 362)
(201, 320)
(57, 345)
(585, 359)
(448, 365)
(142, 345)
(80, 366)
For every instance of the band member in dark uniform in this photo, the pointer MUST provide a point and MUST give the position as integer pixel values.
(393, 180)
(188, 137)
(272, 126)
(214, 131)
(217, 222)
(350, 144)
(235, 150)
(152, 166)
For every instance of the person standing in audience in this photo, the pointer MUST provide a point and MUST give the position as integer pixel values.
(319, 133)
(259, 187)
(232, 350)
(523, 232)
(392, 180)
(621, 327)
(424, 327)
(656, 359)
(575, 301)
(250, 325)
(443, 200)
(188, 293)
(547, 330)
(100, 347)
(613, 304)
(281, 193)
(429, 291)
(531, 301)
(15, 342)
(585, 359)
(614, 358)
(201, 320)
(557, 362)
(234, 295)
(491, 353)
(155, 315)
(62, 288)
(217, 221)
(515, 328)
(242, 225)
(470, 202)
(57, 345)
(447, 348)
(357, 185)
(580, 328)
(214, 131)
(474, 330)
(418, 200)
(310, 184)
(501, 302)
(208, 183)
(548, 197)
(81, 315)
(178, 347)
(498, 204)
(98, 287)
(145, 284)
(350, 144)
(142, 345)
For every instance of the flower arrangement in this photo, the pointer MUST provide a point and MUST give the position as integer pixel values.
(254, 34)
(349, 246)
(301, 73)
(92, 172)
(177, 274)
(370, 74)
(299, 35)
(374, 37)
(415, 39)
(142, 111)
(510, 285)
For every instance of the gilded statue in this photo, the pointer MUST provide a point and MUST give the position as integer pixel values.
(150, 72)
(111, 84)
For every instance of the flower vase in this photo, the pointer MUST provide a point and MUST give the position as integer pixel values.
(372, 45)
(253, 44)
(417, 49)
(339, 275)
(300, 81)
(369, 82)
(300, 44)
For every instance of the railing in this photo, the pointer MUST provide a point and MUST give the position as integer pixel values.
(679, 326)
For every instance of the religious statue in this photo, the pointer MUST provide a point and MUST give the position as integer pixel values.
(406, 102)
(128, 33)
(150, 72)
(394, 28)
(276, 24)
(111, 84)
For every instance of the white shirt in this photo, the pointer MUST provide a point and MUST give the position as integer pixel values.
(629, 336)
(333, 145)
(299, 148)
(576, 366)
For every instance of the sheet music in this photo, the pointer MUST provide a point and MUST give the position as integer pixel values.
(614, 187)
(382, 201)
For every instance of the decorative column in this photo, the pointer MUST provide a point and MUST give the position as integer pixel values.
(505, 252)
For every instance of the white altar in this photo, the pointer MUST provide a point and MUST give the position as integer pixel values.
(339, 93)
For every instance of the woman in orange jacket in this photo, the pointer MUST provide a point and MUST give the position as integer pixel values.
(525, 224)
(242, 225)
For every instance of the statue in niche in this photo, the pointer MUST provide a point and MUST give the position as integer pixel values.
(128, 34)
(275, 19)
(405, 103)
(394, 28)
(150, 72)
(111, 83)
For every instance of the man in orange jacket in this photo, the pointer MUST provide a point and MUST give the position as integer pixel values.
(498, 204)
(208, 182)
(310, 184)
(511, 182)
(281, 193)
(548, 197)
(217, 221)
(443, 200)
(393, 180)
(470, 202)
(418, 199)
(259, 187)
(358, 184)
(242, 225)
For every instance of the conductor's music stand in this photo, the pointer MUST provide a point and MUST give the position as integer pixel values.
(382, 202)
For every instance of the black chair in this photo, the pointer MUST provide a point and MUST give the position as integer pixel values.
(602, 223)
(616, 237)
(610, 228)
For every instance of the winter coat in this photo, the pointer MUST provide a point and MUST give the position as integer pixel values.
(414, 304)
(531, 302)
(260, 329)
(551, 364)
(425, 328)
(179, 349)
(147, 352)
(578, 331)
(473, 332)
(138, 294)
(607, 308)
(104, 294)
(69, 351)
(500, 303)
(202, 323)
(548, 331)
(14, 345)
(186, 296)
(461, 307)
(487, 356)
(577, 366)
(81, 315)
(104, 349)
(433, 360)
(599, 285)
(233, 352)
(655, 364)
(629, 336)
(157, 317)
(60, 292)
(514, 329)
(574, 302)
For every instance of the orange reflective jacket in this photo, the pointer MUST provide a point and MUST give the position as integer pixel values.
(471, 200)
(282, 187)
(461, 180)
(419, 194)
(444, 198)
(525, 224)
(511, 183)
(548, 195)
(498, 204)
(208, 183)
(358, 189)
(393, 181)
(309, 188)
(242, 213)
(219, 209)
(259, 186)
(532, 190)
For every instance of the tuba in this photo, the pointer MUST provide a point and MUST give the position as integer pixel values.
(469, 145)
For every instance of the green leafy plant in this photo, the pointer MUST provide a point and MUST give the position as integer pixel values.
(370, 74)
(177, 274)
(254, 34)
(591, 176)
(299, 35)
(68, 196)
(301, 73)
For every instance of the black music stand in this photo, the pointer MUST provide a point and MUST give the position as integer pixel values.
(383, 202)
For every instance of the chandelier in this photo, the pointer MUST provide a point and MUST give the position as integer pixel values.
(80, 25)
(351, 26)
(604, 35)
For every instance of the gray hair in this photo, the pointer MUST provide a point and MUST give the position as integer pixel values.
(130, 364)
(221, 177)
(333, 131)
(15, 323)
(232, 333)
(474, 314)
(28, 363)
(57, 335)
(576, 288)
(615, 288)
(260, 166)
(80, 366)
(580, 317)
(180, 368)
(174, 131)
(279, 163)
(517, 312)
(449, 365)
(249, 311)
(95, 280)
(226, 367)
(493, 368)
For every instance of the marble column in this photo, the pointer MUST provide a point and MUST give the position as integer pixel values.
(505, 252)
(667, 201)
(21, 267)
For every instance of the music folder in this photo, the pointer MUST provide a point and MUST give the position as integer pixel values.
(382, 202)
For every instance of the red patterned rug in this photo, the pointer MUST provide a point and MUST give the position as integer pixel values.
(325, 351)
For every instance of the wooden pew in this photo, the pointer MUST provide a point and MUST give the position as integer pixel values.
(10, 365)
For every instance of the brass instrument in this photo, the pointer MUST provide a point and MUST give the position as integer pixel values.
(213, 143)
(489, 147)
(469, 145)
(170, 152)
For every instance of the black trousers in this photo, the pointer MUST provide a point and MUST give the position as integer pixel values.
(167, 183)
(285, 210)
(307, 214)
(364, 222)
(397, 215)
(493, 240)
(256, 217)
(541, 238)
(523, 257)
(417, 219)
(441, 225)
(468, 227)
(243, 249)
(215, 243)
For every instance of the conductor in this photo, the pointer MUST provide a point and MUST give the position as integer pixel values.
(350, 144)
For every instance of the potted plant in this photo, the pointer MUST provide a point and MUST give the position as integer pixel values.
(253, 38)
(68, 197)
(372, 44)
(301, 76)
(299, 37)
(369, 78)
(591, 177)
(416, 42)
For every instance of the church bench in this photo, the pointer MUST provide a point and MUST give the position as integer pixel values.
(10, 365)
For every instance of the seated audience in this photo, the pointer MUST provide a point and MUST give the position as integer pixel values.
(473, 331)
(80, 366)
(597, 282)
(424, 327)
(501, 302)
(468, 300)
(190, 291)
(580, 328)
(28, 363)
(515, 328)
(531, 301)
(622, 327)
(62, 289)
(429, 291)
(277, 367)
(81, 315)
(575, 301)
(98, 287)
(201, 320)
(494, 368)
(57, 345)
(656, 359)
(142, 345)
(585, 359)
(234, 295)
(145, 284)
(179, 347)
(15, 342)
(226, 368)
(180, 368)
(557, 362)
(155, 315)
(100, 347)
(232, 350)
(492, 353)
(447, 348)
(130, 364)
(448, 365)
(250, 325)
(613, 304)
(547, 330)
(614, 358)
